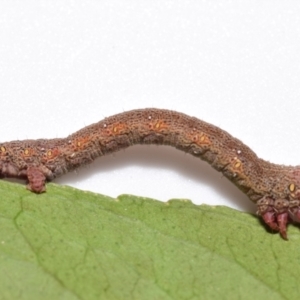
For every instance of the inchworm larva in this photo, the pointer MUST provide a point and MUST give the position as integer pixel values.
(274, 188)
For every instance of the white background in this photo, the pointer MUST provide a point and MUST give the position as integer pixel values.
(236, 64)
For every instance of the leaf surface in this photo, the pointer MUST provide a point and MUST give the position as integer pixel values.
(71, 244)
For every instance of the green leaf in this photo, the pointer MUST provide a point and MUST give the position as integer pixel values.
(71, 244)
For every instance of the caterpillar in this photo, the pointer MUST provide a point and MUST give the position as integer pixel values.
(274, 188)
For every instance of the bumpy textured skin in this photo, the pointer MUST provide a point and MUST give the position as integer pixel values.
(274, 188)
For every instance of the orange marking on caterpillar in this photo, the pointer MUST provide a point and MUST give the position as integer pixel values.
(119, 128)
(292, 187)
(158, 125)
(80, 143)
(237, 164)
(28, 152)
(201, 139)
(115, 129)
(2, 150)
(50, 154)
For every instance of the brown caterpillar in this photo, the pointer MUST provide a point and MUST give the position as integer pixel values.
(274, 188)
